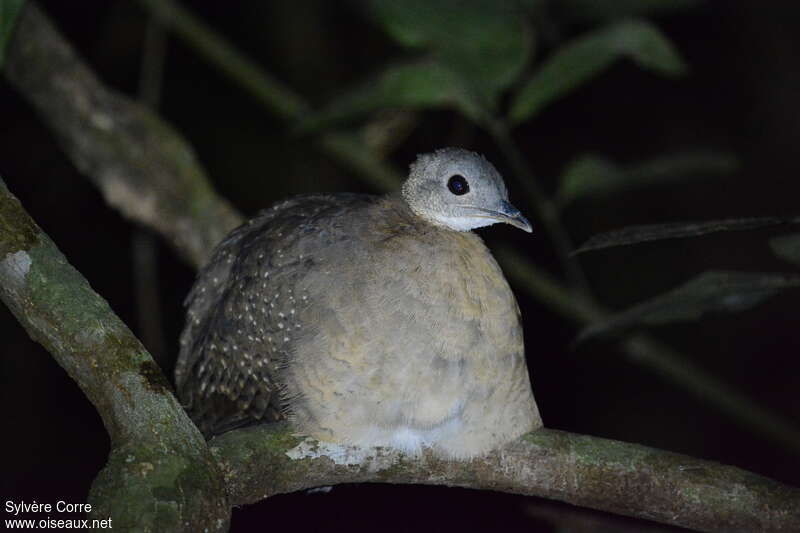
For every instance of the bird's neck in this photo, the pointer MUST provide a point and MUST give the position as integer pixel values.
(397, 213)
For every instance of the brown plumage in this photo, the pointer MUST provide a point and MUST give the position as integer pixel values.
(365, 320)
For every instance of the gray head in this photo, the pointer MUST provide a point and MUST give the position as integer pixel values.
(460, 190)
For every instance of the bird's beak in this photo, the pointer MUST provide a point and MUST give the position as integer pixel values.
(511, 215)
(505, 213)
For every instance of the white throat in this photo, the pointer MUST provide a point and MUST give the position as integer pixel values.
(464, 223)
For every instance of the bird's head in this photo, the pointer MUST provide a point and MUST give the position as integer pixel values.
(460, 190)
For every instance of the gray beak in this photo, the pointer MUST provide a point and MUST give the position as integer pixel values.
(511, 215)
(506, 213)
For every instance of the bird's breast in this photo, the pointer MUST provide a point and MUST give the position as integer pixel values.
(406, 337)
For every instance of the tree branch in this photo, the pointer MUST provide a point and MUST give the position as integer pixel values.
(270, 93)
(149, 173)
(160, 473)
(622, 478)
(142, 167)
(647, 352)
(671, 365)
(544, 206)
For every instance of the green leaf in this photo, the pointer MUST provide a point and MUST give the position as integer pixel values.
(605, 10)
(649, 48)
(583, 58)
(710, 292)
(787, 247)
(485, 42)
(589, 175)
(592, 175)
(422, 84)
(678, 230)
(9, 9)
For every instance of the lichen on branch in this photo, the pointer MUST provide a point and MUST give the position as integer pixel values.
(618, 477)
(160, 475)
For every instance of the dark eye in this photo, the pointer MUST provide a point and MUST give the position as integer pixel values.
(458, 185)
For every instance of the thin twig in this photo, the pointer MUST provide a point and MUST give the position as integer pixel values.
(146, 289)
(151, 70)
(144, 249)
(644, 351)
(546, 209)
(139, 163)
(268, 91)
(271, 94)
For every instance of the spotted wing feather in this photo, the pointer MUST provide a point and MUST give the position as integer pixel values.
(239, 314)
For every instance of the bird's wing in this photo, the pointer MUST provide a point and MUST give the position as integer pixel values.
(239, 314)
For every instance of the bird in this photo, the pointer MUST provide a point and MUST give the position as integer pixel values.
(366, 320)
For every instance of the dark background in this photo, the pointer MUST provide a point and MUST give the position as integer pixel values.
(742, 95)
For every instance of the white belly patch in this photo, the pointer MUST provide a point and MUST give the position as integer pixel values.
(411, 440)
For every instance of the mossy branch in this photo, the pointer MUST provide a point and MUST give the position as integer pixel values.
(149, 173)
(622, 478)
(669, 364)
(160, 475)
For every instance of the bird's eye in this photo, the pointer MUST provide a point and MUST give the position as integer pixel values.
(458, 185)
